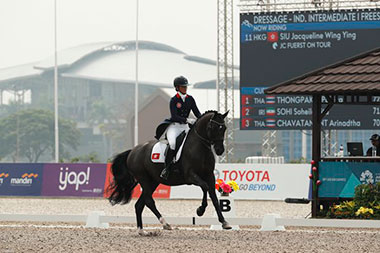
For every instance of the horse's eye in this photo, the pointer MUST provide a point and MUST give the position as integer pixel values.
(220, 127)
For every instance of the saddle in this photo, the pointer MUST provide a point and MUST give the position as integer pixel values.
(159, 149)
(161, 129)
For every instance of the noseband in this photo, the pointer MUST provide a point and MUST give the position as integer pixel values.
(207, 142)
(220, 124)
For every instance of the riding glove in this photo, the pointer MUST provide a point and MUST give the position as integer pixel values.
(190, 121)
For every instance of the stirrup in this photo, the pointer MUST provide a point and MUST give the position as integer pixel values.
(165, 174)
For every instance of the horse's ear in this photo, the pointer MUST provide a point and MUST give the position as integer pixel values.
(225, 115)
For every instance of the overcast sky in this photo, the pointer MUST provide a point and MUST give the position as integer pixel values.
(27, 26)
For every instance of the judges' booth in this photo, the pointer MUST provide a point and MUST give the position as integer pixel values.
(351, 89)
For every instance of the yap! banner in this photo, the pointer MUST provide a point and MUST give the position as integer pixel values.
(19, 179)
(81, 180)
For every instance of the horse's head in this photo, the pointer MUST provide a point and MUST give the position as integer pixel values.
(214, 128)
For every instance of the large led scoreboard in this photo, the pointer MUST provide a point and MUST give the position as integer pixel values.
(276, 47)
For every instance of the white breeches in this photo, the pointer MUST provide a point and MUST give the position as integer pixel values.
(173, 131)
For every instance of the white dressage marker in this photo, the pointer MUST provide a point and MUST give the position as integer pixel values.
(93, 220)
(269, 223)
(227, 204)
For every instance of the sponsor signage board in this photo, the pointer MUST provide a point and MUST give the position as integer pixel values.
(339, 179)
(258, 181)
(108, 181)
(19, 179)
(161, 192)
(279, 46)
(81, 179)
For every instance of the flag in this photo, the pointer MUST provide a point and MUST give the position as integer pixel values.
(270, 122)
(155, 156)
(270, 100)
(271, 112)
(272, 36)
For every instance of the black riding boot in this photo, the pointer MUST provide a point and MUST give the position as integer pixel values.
(168, 164)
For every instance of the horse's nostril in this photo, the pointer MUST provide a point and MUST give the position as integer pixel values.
(219, 151)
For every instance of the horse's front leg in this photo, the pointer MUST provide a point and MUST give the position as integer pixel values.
(215, 201)
(193, 178)
(201, 210)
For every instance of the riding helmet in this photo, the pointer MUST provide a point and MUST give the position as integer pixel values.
(375, 137)
(180, 81)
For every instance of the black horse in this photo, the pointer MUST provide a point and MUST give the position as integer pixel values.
(196, 165)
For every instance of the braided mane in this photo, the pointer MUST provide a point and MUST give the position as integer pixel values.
(206, 112)
(209, 111)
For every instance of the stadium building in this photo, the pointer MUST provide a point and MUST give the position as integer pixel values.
(96, 90)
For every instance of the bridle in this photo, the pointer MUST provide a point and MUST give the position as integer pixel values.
(206, 141)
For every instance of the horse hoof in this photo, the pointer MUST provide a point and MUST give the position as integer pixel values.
(142, 232)
(225, 225)
(200, 211)
(167, 227)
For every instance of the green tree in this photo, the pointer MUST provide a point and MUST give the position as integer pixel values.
(107, 119)
(89, 158)
(30, 134)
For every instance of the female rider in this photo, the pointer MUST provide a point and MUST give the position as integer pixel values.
(180, 106)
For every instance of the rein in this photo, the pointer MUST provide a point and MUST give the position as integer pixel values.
(206, 141)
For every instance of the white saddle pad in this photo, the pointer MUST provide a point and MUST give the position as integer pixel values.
(158, 151)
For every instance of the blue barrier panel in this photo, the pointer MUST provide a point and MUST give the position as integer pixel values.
(339, 179)
(21, 179)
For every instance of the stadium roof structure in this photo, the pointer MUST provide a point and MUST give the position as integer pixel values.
(18, 72)
(115, 62)
(359, 75)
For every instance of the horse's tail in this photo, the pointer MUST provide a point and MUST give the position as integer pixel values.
(123, 181)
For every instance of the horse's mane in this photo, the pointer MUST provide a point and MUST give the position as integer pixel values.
(209, 111)
(206, 112)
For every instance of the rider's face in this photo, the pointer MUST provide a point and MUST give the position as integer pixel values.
(182, 89)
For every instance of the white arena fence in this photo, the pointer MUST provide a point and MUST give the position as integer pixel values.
(265, 159)
(270, 222)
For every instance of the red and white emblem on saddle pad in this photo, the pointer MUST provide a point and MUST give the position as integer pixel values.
(155, 156)
(158, 152)
(179, 105)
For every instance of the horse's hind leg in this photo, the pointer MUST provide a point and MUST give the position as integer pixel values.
(139, 207)
(148, 189)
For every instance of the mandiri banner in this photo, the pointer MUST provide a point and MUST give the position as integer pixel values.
(21, 179)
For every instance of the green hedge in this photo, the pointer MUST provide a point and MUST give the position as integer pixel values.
(365, 205)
